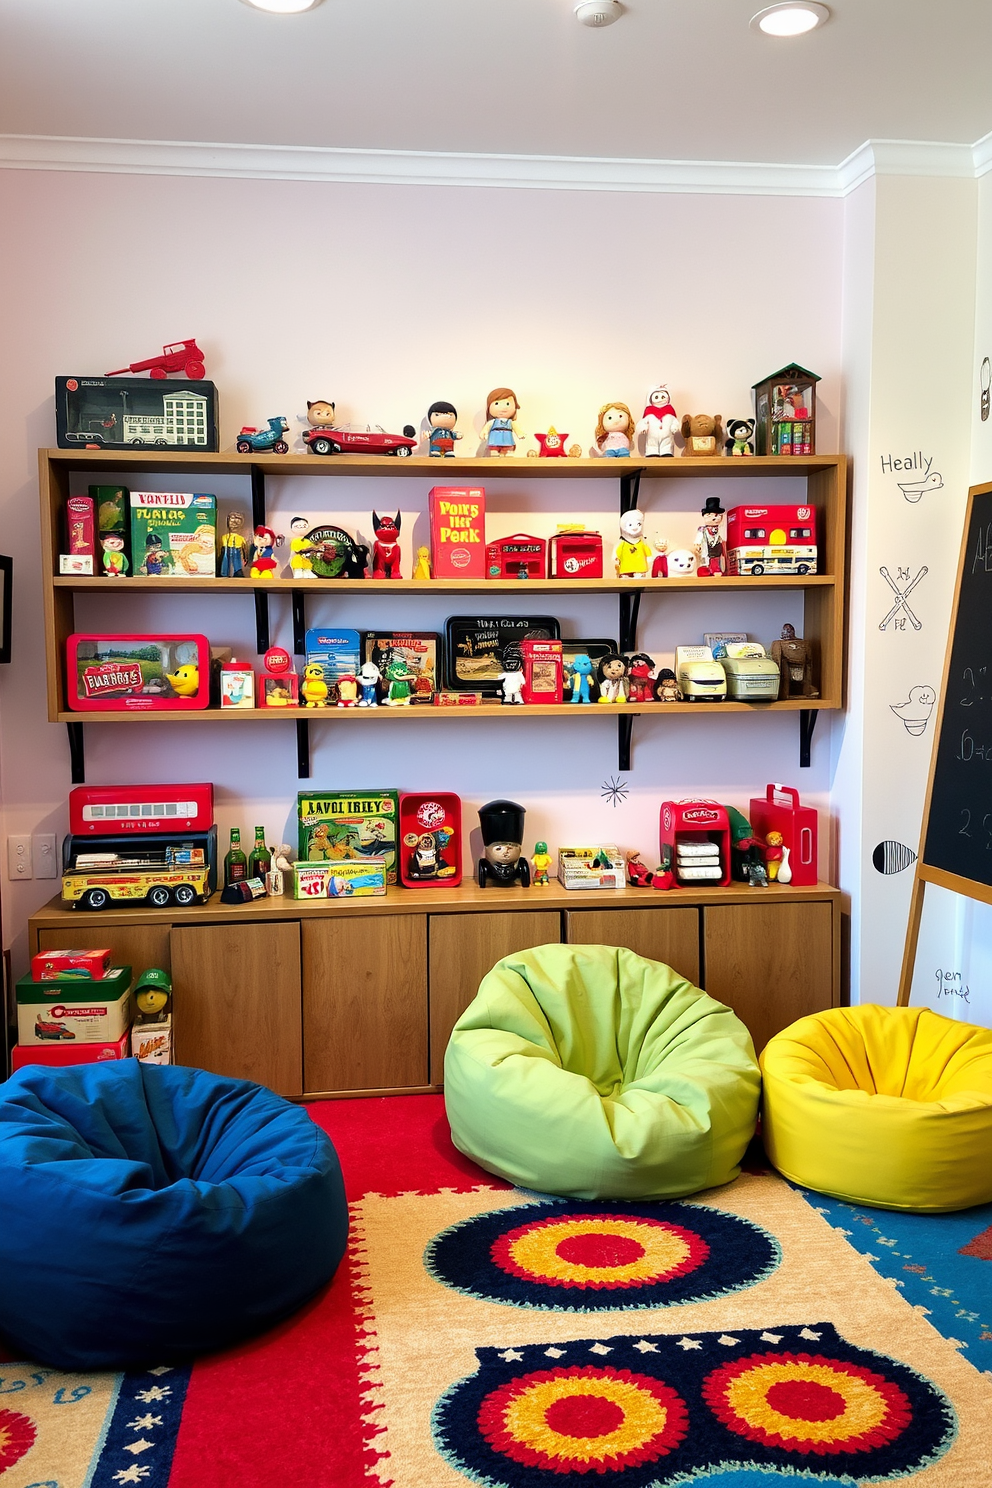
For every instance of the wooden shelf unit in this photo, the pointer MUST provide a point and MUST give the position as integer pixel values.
(823, 593)
(358, 996)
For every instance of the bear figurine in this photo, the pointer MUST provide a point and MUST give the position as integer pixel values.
(703, 434)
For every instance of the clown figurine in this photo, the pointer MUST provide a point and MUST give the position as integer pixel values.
(632, 555)
(659, 424)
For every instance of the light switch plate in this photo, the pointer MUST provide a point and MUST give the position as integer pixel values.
(44, 855)
(19, 857)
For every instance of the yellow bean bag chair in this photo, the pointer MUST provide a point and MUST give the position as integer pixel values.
(594, 1073)
(888, 1106)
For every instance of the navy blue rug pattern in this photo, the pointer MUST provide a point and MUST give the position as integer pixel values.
(141, 1436)
(648, 1410)
(589, 1256)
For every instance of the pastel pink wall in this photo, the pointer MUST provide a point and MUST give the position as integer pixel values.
(386, 298)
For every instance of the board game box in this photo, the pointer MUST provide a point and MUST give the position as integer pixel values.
(336, 825)
(478, 650)
(337, 653)
(173, 535)
(416, 649)
(458, 532)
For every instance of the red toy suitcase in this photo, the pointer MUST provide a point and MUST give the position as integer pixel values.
(779, 811)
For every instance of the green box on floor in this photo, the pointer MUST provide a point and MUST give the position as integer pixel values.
(81, 1012)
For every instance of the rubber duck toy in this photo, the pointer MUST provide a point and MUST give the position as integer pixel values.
(185, 682)
(313, 687)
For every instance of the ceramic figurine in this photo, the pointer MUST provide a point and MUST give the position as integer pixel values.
(612, 677)
(513, 682)
(614, 431)
(233, 548)
(541, 862)
(386, 549)
(356, 561)
(425, 860)
(501, 431)
(502, 824)
(659, 424)
(795, 664)
(702, 433)
(632, 555)
(553, 446)
(641, 682)
(264, 544)
(773, 855)
(320, 413)
(313, 688)
(659, 567)
(666, 687)
(348, 690)
(639, 876)
(441, 431)
(740, 441)
(785, 871)
(115, 565)
(681, 562)
(301, 549)
(399, 679)
(369, 678)
(708, 547)
(423, 566)
(581, 668)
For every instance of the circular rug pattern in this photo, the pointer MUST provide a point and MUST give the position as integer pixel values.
(583, 1419)
(583, 1256)
(807, 1403)
(17, 1435)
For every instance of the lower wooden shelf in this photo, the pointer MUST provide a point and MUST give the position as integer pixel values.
(359, 996)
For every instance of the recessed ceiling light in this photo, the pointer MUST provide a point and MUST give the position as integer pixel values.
(283, 7)
(791, 19)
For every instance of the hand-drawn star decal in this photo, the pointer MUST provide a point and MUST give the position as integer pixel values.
(614, 791)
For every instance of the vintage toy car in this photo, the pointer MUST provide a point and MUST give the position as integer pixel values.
(264, 440)
(179, 868)
(367, 441)
(183, 356)
(700, 678)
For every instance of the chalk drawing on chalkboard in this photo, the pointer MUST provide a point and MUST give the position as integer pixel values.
(901, 596)
(892, 857)
(913, 490)
(914, 713)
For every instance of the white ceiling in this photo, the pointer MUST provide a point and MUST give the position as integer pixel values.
(672, 80)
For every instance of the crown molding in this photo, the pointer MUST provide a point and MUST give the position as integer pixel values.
(528, 172)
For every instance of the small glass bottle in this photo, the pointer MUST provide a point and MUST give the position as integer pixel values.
(235, 864)
(259, 859)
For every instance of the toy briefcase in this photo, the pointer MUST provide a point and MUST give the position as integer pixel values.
(779, 811)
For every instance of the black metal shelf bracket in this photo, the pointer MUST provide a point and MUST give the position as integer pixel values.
(258, 520)
(630, 485)
(630, 604)
(77, 753)
(625, 728)
(299, 624)
(303, 748)
(261, 622)
(807, 723)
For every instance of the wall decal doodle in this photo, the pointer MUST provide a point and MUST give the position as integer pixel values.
(914, 713)
(901, 596)
(892, 857)
(614, 791)
(986, 388)
(913, 490)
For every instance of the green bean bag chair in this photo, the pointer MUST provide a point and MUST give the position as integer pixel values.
(594, 1073)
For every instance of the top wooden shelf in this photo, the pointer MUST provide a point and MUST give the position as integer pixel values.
(456, 471)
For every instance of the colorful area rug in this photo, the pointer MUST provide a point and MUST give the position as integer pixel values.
(486, 1336)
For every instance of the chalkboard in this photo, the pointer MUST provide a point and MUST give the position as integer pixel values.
(957, 828)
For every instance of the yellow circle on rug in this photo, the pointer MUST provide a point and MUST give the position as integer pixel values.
(605, 1249)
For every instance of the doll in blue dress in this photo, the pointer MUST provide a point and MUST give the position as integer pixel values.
(501, 432)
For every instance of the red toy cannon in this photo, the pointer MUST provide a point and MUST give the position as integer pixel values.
(184, 356)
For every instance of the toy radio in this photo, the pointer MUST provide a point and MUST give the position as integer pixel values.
(106, 809)
(576, 554)
(695, 842)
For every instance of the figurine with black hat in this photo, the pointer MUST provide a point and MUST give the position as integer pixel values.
(708, 547)
(503, 863)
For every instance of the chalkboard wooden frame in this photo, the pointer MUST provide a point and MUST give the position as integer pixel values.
(955, 746)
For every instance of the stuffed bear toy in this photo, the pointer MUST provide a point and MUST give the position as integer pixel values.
(740, 440)
(702, 433)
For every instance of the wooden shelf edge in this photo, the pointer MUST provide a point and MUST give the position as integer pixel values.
(349, 716)
(439, 586)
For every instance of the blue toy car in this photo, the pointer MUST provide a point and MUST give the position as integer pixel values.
(268, 440)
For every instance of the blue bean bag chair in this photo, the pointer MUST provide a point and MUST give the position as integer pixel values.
(150, 1213)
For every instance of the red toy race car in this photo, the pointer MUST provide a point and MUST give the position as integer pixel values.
(48, 1030)
(367, 441)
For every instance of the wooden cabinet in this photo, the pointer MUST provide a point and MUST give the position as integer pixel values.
(463, 947)
(365, 1003)
(238, 987)
(661, 934)
(360, 996)
(772, 963)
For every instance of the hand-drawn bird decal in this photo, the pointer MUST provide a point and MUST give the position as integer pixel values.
(915, 711)
(892, 857)
(913, 490)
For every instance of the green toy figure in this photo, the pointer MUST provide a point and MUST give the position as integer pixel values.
(541, 862)
(399, 679)
(115, 565)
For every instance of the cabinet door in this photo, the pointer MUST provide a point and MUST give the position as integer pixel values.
(463, 947)
(772, 963)
(669, 935)
(137, 946)
(365, 1002)
(236, 1001)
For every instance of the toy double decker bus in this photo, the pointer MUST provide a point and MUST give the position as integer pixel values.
(771, 540)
